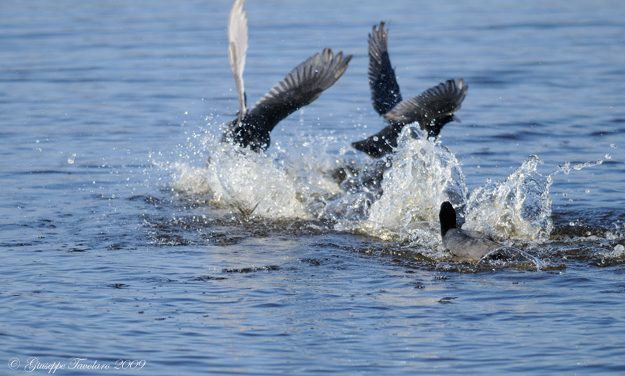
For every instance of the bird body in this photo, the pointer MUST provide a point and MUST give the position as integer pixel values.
(466, 244)
(431, 109)
(302, 86)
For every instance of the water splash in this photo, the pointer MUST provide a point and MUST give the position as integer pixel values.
(299, 183)
(617, 253)
(566, 167)
(423, 174)
(518, 208)
(507, 256)
(250, 183)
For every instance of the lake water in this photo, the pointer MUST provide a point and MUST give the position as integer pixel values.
(120, 242)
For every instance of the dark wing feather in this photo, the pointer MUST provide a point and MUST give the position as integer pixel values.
(384, 88)
(302, 86)
(432, 109)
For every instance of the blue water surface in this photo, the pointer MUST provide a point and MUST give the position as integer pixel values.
(101, 259)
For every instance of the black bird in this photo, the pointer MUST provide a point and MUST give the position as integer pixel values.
(302, 86)
(432, 109)
(461, 243)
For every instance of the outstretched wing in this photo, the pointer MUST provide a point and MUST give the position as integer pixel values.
(237, 39)
(302, 86)
(432, 109)
(384, 88)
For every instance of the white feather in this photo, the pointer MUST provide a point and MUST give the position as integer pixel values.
(237, 38)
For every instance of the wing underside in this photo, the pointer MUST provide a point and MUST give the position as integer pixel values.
(302, 86)
(443, 100)
(237, 49)
(385, 92)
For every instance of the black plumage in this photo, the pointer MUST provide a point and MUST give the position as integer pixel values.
(432, 109)
(302, 86)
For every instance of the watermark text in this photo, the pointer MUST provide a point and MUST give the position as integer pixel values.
(35, 364)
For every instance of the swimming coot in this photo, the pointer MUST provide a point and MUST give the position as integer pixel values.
(461, 243)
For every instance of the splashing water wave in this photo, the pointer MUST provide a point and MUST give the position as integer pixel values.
(423, 174)
(247, 182)
(404, 208)
(518, 208)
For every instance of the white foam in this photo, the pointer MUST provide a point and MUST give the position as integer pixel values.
(616, 253)
(423, 174)
(250, 183)
(517, 208)
(297, 183)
